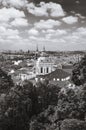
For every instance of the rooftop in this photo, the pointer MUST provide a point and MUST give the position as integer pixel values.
(57, 74)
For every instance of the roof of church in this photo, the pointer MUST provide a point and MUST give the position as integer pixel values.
(57, 74)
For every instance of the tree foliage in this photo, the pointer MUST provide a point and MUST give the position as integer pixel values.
(79, 72)
(5, 82)
(47, 95)
(73, 124)
(44, 106)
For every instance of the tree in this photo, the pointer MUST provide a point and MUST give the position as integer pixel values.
(5, 82)
(47, 95)
(79, 72)
(73, 124)
(68, 104)
(16, 111)
(82, 102)
(46, 120)
(17, 107)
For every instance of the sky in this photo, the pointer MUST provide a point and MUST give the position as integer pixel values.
(24, 25)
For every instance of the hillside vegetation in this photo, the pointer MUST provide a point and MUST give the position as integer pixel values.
(44, 106)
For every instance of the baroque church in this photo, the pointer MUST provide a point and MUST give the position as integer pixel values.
(47, 69)
(44, 64)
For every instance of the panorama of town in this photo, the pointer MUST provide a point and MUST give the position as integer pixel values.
(42, 90)
(56, 67)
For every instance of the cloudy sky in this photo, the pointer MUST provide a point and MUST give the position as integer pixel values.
(24, 25)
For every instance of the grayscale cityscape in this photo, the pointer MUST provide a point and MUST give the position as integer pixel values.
(42, 65)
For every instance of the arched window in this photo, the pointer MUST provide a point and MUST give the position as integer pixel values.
(47, 70)
(41, 69)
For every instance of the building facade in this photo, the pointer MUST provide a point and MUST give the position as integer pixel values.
(44, 65)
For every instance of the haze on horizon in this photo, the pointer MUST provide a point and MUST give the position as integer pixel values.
(57, 26)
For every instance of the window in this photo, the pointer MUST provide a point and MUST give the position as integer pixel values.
(47, 70)
(41, 70)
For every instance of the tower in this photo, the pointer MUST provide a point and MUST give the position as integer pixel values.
(37, 51)
(43, 48)
(37, 48)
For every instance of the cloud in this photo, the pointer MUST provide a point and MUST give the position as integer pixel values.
(80, 16)
(62, 39)
(33, 38)
(5, 24)
(10, 13)
(50, 31)
(15, 37)
(55, 9)
(46, 9)
(37, 11)
(11, 32)
(61, 32)
(8, 32)
(2, 29)
(57, 32)
(14, 3)
(70, 20)
(47, 24)
(53, 34)
(19, 22)
(33, 32)
(81, 31)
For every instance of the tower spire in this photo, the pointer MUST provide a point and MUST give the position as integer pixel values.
(37, 48)
(37, 51)
(43, 48)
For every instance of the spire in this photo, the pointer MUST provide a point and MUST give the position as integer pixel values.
(43, 48)
(43, 53)
(37, 51)
(37, 48)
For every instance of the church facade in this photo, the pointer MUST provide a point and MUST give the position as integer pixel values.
(44, 65)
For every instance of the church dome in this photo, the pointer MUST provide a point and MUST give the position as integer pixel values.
(44, 60)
